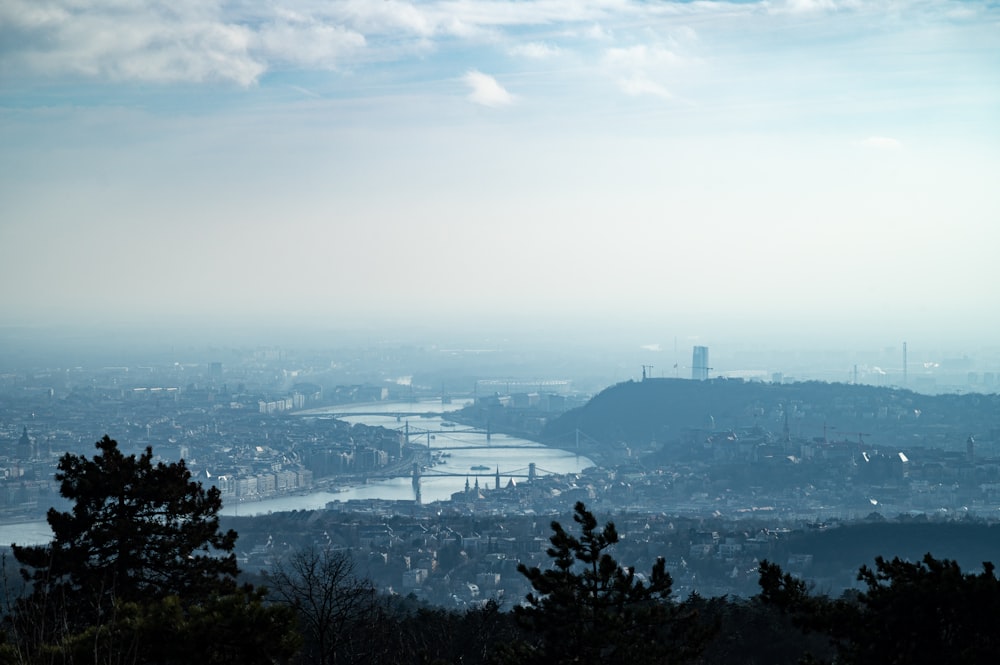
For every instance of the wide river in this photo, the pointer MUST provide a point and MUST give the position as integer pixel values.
(511, 454)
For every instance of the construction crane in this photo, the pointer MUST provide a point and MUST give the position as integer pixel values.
(861, 441)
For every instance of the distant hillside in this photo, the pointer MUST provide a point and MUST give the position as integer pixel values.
(665, 411)
(969, 542)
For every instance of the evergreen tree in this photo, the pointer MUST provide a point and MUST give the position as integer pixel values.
(909, 613)
(136, 570)
(136, 530)
(588, 608)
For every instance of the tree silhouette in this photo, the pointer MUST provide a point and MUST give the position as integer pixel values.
(333, 604)
(923, 612)
(589, 608)
(136, 530)
(139, 570)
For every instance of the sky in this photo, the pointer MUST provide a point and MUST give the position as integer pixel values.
(683, 169)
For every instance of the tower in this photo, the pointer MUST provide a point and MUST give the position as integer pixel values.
(25, 446)
(699, 363)
(416, 481)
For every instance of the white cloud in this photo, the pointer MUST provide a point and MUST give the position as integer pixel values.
(485, 90)
(380, 18)
(534, 50)
(684, 34)
(308, 43)
(802, 6)
(882, 143)
(640, 85)
(239, 40)
(154, 41)
(755, 150)
(639, 69)
(641, 56)
(598, 33)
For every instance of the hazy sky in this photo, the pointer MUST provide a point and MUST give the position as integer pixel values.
(690, 167)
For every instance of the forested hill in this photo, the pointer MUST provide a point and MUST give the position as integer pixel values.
(665, 411)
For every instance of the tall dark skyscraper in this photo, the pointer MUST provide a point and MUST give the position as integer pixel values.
(699, 363)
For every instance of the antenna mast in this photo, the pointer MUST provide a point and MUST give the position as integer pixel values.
(904, 363)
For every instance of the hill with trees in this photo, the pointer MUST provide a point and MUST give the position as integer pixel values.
(656, 413)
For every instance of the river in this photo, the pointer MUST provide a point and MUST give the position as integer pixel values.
(512, 459)
(511, 455)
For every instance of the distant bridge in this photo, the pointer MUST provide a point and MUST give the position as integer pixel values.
(486, 447)
(415, 433)
(530, 472)
(398, 415)
(412, 433)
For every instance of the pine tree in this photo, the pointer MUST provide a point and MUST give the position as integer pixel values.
(141, 544)
(907, 612)
(588, 608)
(137, 530)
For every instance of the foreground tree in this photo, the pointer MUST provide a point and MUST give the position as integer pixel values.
(913, 613)
(141, 543)
(136, 530)
(589, 608)
(335, 606)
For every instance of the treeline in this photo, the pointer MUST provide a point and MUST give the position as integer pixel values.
(836, 548)
(139, 571)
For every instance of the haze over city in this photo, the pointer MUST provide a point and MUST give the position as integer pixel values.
(320, 318)
(809, 173)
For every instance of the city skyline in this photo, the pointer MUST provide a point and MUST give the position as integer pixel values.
(787, 171)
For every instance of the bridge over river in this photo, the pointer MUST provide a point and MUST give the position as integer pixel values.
(480, 453)
(446, 427)
(417, 472)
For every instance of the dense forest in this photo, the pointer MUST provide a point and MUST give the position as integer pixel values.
(139, 571)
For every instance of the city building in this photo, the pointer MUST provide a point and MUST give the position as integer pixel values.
(699, 363)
